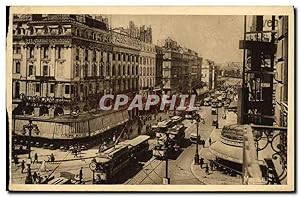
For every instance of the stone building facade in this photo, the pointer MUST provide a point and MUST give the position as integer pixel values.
(181, 68)
(281, 76)
(64, 64)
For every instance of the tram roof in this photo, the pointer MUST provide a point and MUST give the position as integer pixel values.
(136, 141)
(111, 152)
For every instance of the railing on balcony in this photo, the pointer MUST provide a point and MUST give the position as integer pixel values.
(274, 138)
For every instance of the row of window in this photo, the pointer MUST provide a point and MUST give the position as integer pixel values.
(116, 57)
(31, 70)
(119, 72)
(31, 30)
(130, 71)
(45, 52)
(71, 89)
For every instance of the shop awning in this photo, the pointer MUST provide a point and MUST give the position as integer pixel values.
(201, 91)
(227, 152)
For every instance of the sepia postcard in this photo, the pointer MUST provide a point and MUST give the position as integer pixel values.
(151, 99)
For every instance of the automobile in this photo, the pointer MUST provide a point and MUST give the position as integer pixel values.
(38, 144)
(193, 138)
(188, 116)
(52, 147)
(15, 141)
(198, 104)
(63, 148)
(206, 103)
(220, 104)
(84, 147)
(214, 122)
(45, 145)
(220, 98)
(226, 105)
(21, 142)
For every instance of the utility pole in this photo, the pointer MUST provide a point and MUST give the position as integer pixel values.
(197, 118)
(166, 179)
(217, 124)
(30, 127)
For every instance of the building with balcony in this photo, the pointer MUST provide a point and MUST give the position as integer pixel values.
(281, 75)
(209, 75)
(181, 68)
(64, 64)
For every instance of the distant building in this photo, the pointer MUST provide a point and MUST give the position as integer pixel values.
(209, 74)
(159, 67)
(142, 33)
(181, 68)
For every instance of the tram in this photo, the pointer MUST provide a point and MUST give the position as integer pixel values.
(114, 159)
(138, 147)
(110, 162)
(171, 141)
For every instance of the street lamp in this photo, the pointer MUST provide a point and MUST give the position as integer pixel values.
(30, 126)
(257, 136)
(197, 118)
(93, 167)
(217, 124)
(166, 179)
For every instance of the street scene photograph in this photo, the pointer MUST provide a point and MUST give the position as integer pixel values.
(185, 101)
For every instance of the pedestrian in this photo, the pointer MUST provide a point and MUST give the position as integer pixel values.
(80, 175)
(52, 158)
(98, 179)
(159, 118)
(211, 164)
(34, 177)
(16, 161)
(114, 138)
(203, 143)
(104, 146)
(35, 158)
(209, 140)
(39, 178)
(201, 161)
(43, 167)
(207, 169)
(75, 153)
(100, 148)
(77, 179)
(22, 166)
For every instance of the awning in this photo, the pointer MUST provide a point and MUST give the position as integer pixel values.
(201, 91)
(227, 152)
(207, 154)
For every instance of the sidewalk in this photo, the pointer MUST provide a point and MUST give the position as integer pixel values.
(214, 177)
(66, 156)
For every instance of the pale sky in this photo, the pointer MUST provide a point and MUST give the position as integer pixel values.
(214, 37)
